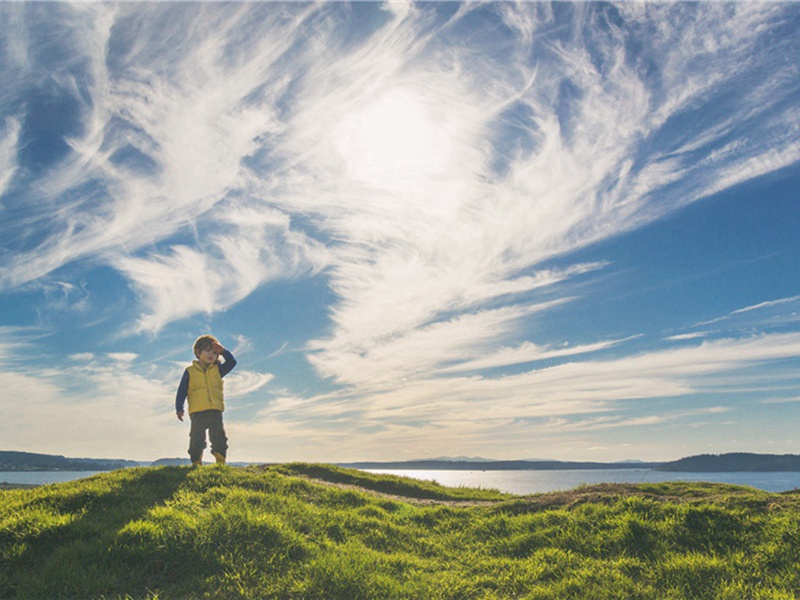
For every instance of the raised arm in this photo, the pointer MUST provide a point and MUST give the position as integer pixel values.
(229, 363)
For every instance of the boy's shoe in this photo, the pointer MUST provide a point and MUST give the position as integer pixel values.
(220, 457)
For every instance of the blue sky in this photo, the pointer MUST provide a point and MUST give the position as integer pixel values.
(510, 230)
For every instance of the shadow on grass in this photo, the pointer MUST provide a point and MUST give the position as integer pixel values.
(70, 553)
(405, 487)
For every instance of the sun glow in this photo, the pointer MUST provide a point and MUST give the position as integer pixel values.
(395, 142)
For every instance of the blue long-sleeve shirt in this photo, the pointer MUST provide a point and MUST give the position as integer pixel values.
(183, 387)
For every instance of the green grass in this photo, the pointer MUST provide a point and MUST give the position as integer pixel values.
(316, 531)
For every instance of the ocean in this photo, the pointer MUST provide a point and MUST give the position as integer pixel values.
(514, 482)
(537, 482)
(43, 477)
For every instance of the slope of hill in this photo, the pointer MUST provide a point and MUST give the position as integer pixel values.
(316, 531)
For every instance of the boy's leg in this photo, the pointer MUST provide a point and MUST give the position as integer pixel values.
(197, 436)
(216, 433)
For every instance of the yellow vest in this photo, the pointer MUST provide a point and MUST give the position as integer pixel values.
(205, 388)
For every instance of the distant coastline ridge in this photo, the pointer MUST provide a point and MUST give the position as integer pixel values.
(732, 462)
(704, 463)
(497, 465)
(739, 462)
(30, 461)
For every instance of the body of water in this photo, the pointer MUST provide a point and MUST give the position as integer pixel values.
(536, 482)
(513, 482)
(43, 477)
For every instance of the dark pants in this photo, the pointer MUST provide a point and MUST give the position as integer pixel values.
(210, 420)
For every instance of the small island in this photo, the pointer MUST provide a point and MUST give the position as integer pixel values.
(733, 462)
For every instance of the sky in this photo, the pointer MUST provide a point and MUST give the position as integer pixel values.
(507, 230)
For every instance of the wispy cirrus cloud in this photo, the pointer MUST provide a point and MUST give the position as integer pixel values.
(526, 353)
(526, 408)
(767, 305)
(256, 248)
(616, 422)
(770, 313)
(9, 139)
(155, 150)
(178, 125)
(432, 162)
(588, 165)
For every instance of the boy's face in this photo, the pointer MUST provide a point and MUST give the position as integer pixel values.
(207, 356)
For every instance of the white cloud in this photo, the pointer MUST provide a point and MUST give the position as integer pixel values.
(243, 344)
(397, 273)
(175, 285)
(525, 353)
(480, 412)
(781, 400)
(123, 357)
(615, 422)
(182, 124)
(107, 409)
(767, 304)
(687, 336)
(386, 359)
(16, 343)
(162, 151)
(241, 382)
(741, 169)
(768, 313)
(222, 149)
(230, 266)
(120, 409)
(9, 138)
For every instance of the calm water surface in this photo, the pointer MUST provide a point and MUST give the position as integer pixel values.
(43, 477)
(514, 482)
(536, 482)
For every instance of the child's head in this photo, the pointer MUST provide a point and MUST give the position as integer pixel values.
(204, 342)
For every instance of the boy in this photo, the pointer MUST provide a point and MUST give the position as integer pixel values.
(202, 383)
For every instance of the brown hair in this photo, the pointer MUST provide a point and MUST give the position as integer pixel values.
(202, 343)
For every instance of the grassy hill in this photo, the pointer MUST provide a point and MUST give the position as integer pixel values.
(315, 531)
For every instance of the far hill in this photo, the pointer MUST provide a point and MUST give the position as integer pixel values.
(498, 465)
(29, 461)
(734, 462)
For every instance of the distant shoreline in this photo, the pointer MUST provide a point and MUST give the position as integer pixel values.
(499, 465)
(705, 463)
(734, 462)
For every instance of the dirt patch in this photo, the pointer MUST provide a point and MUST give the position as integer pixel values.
(606, 493)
